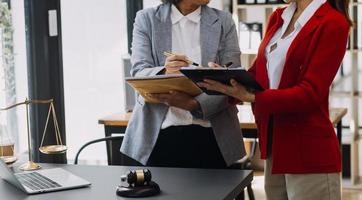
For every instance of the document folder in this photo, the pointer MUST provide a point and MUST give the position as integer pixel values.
(162, 84)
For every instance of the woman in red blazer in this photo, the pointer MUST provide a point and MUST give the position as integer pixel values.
(296, 63)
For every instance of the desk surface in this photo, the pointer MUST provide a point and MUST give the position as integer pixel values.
(245, 115)
(175, 184)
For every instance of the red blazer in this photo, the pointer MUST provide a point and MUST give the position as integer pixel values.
(304, 139)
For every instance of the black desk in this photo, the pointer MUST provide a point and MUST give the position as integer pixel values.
(175, 184)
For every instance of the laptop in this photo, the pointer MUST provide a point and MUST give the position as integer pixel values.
(40, 181)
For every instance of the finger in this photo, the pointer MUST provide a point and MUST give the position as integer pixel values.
(161, 95)
(176, 57)
(177, 64)
(220, 87)
(236, 84)
(205, 85)
(170, 58)
(149, 95)
(181, 57)
(173, 92)
(211, 81)
(154, 95)
(215, 86)
(163, 98)
(157, 94)
(213, 65)
(202, 84)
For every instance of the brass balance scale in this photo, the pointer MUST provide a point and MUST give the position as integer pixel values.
(57, 148)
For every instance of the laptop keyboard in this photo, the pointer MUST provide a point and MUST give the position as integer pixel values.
(36, 181)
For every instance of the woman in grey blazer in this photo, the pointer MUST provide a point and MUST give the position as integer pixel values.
(183, 131)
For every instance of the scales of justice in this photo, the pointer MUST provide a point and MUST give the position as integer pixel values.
(57, 148)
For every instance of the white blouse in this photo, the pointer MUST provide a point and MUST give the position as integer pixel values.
(185, 40)
(276, 58)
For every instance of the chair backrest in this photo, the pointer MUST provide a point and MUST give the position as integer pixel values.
(106, 139)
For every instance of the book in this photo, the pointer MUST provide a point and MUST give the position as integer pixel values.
(162, 84)
(250, 36)
(223, 75)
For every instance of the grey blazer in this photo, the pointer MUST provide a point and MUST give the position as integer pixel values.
(152, 35)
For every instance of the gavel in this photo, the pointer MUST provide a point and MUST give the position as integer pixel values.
(137, 178)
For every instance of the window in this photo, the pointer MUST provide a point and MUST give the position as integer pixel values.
(13, 74)
(94, 41)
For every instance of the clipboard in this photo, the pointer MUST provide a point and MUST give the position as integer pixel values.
(223, 75)
(162, 84)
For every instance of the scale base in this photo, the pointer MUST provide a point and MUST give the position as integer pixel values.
(141, 191)
(29, 166)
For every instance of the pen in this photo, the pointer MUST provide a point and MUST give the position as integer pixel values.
(167, 54)
(227, 65)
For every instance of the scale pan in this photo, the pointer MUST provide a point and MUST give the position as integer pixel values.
(53, 149)
(9, 159)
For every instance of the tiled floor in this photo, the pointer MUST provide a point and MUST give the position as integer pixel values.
(352, 194)
(258, 187)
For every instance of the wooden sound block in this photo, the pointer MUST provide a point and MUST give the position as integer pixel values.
(140, 191)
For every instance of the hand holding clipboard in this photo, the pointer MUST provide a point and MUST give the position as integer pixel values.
(221, 75)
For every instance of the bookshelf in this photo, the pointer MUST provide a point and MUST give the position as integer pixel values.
(353, 51)
(241, 13)
(261, 13)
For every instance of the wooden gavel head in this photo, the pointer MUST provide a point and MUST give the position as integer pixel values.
(137, 177)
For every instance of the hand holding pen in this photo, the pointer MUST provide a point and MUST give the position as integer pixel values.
(174, 62)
